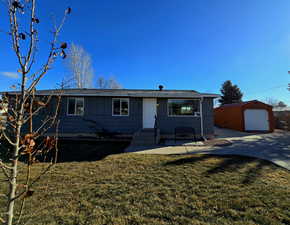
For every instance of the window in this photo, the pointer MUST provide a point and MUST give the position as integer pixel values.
(75, 106)
(183, 107)
(120, 107)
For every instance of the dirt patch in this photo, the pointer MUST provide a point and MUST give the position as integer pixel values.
(89, 150)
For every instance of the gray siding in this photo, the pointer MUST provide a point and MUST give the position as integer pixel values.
(208, 116)
(167, 123)
(98, 116)
(40, 117)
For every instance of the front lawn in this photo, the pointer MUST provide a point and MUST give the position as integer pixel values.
(136, 189)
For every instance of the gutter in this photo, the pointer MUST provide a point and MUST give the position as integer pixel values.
(201, 119)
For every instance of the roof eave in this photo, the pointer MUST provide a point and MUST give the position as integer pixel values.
(154, 94)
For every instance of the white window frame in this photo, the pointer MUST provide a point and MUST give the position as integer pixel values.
(196, 114)
(80, 98)
(127, 99)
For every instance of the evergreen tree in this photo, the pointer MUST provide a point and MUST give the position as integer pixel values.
(230, 93)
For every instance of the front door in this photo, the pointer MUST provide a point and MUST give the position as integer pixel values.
(149, 112)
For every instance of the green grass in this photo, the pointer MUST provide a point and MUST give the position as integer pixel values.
(152, 189)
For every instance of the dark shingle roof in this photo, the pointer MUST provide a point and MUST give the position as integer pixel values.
(125, 93)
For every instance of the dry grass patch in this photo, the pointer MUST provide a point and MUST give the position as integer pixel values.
(154, 189)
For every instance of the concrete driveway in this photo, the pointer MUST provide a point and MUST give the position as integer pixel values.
(274, 147)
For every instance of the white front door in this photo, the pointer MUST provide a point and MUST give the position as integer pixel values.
(149, 112)
(256, 119)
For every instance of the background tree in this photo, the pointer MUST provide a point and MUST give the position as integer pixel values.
(275, 102)
(101, 83)
(65, 83)
(22, 138)
(272, 101)
(111, 83)
(79, 64)
(281, 104)
(230, 93)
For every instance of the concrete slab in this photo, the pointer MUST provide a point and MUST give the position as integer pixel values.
(183, 143)
(228, 133)
(274, 147)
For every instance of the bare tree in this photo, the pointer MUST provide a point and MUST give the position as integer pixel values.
(275, 103)
(24, 104)
(272, 101)
(101, 82)
(65, 83)
(111, 83)
(79, 64)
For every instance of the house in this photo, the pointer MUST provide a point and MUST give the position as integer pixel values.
(123, 112)
(250, 116)
(3, 116)
(281, 110)
(282, 117)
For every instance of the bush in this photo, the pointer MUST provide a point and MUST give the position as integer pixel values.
(282, 121)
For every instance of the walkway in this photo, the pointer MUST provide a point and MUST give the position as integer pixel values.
(274, 147)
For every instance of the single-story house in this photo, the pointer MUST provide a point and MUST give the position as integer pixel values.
(87, 112)
(249, 116)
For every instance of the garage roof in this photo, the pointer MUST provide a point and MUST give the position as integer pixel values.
(243, 104)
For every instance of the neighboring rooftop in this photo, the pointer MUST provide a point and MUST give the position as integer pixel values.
(281, 109)
(124, 93)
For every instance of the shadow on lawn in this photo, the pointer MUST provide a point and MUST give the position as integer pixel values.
(88, 150)
(75, 151)
(273, 146)
(228, 163)
(235, 163)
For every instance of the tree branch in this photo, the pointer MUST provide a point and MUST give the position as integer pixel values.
(7, 138)
(37, 110)
(4, 170)
(15, 32)
(52, 119)
(50, 58)
(32, 34)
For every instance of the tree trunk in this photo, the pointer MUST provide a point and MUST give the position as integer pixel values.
(13, 182)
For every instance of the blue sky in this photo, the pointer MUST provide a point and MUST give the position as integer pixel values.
(182, 44)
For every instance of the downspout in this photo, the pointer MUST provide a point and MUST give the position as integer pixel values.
(201, 119)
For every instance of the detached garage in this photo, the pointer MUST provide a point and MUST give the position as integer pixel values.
(248, 116)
